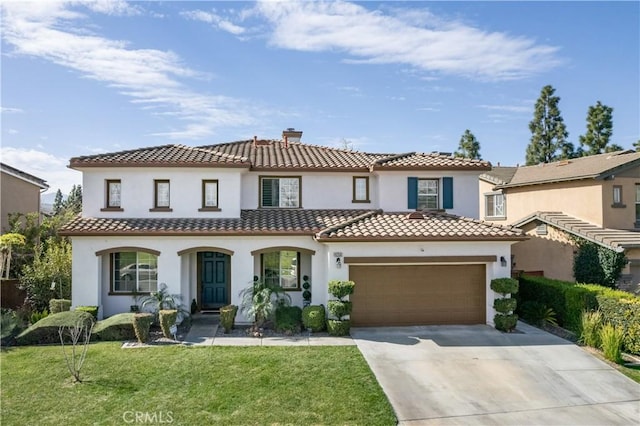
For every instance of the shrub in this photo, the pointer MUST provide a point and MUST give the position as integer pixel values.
(591, 325)
(504, 306)
(611, 338)
(167, 319)
(288, 319)
(313, 317)
(531, 311)
(339, 309)
(504, 285)
(141, 324)
(59, 305)
(10, 326)
(93, 310)
(118, 327)
(625, 315)
(37, 316)
(338, 328)
(505, 322)
(46, 330)
(341, 289)
(259, 301)
(228, 317)
(596, 264)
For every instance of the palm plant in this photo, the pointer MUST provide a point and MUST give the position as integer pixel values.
(162, 299)
(260, 300)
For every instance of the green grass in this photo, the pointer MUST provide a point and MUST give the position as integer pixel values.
(632, 372)
(198, 385)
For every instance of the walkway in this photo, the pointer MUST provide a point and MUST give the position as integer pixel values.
(205, 327)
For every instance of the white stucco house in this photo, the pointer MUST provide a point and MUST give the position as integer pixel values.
(206, 220)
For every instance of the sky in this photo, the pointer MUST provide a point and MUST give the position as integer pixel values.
(88, 77)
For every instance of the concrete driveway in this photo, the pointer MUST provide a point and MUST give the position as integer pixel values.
(475, 375)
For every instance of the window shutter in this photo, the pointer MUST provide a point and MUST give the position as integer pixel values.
(412, 193)
(447, 193)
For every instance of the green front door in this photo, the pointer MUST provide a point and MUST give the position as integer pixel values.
(214, 275)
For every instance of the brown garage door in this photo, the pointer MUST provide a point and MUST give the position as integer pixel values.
(418, 294)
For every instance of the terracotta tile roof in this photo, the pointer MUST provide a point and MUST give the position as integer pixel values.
(615, 239)
(164, 156)
(420, 226)
(499, 175)
(275, 155)
(591, 167)
(251, 222)
(24, 176)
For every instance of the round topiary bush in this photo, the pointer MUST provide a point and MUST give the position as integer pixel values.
(340, 289)
(338, 308)
(504, 285)
(504, 306)
(313, 317)
(338, 327)
(505, 322)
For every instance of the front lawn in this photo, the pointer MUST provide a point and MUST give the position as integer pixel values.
(192, 386)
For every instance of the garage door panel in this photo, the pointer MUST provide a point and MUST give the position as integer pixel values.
(418, 294)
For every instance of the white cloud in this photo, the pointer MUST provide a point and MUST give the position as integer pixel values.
(49, 30)
(418, 39)
(8, 110)
(215, 20)
(43, 165)
(12, 131)
(508, 108)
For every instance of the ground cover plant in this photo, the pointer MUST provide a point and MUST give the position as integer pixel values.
(199, 385)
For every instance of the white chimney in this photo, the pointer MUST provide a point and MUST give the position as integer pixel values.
(292, 135)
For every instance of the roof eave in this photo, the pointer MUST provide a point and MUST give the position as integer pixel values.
(418, 239)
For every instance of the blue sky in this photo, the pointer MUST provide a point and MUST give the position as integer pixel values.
(82, 78)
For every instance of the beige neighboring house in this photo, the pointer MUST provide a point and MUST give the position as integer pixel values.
(19, 193)
(596, 198)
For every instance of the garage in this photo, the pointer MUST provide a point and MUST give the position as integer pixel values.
(391, 295)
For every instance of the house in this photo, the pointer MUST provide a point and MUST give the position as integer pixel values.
(206, 220)
(19, 192)
(596, 198)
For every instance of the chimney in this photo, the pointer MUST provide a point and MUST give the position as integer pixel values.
(286, 141)
(292, 135)
(255, 141)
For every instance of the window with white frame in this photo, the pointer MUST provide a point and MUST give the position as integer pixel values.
(281, 268)
(427, 194)
(495, 205)
(280, 192)
(114, 188)
(134, 272)
(162, 192)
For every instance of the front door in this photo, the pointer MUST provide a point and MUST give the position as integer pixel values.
(214, 279)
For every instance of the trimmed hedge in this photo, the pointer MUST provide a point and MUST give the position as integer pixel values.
(504, 306)
(338, 328)
(93, 310)
(289, 319)
(339, 308)
(341, 289)
(118, 327)
(504, 285)
(59, 305)
(228, 317)
(141, 324)
(167, 319)
(46, 330)
(569, 300)
(313, 317)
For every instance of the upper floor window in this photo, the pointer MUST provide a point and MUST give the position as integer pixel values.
(426, 193)
(210, 195)
(281, 268)
(494, 205)
(617, 196)
(134, 272)
(114, 188)
(361, 189)
(637, 205)
(280, 192)
(161, 194)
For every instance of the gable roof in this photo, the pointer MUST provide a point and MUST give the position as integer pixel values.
(41, 183)
(499, 175)
(591, 167)
(324, 225)
(615, 239)
(264, 155)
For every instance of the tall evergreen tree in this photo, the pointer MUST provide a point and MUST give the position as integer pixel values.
(469, 146)
(599, 130)
(636, 145)
(58, 202)
(548, 132)
(74, 200)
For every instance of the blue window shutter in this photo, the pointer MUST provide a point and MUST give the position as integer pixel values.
(447, 193)
(412, 194)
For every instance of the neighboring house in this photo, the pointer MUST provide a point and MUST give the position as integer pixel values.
(596, 198)
(207, 220)
(19, 193)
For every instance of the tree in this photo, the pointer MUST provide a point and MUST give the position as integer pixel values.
(636, 145)
(599, 130)
(74, 200)
(469, 146)
(58, 203)
(594, 264)
(7, 244)
(548, 132)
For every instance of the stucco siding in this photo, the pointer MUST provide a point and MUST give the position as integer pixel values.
(619, 216)
(18, 196)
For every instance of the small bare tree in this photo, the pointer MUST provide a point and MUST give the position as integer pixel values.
(80, 335)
